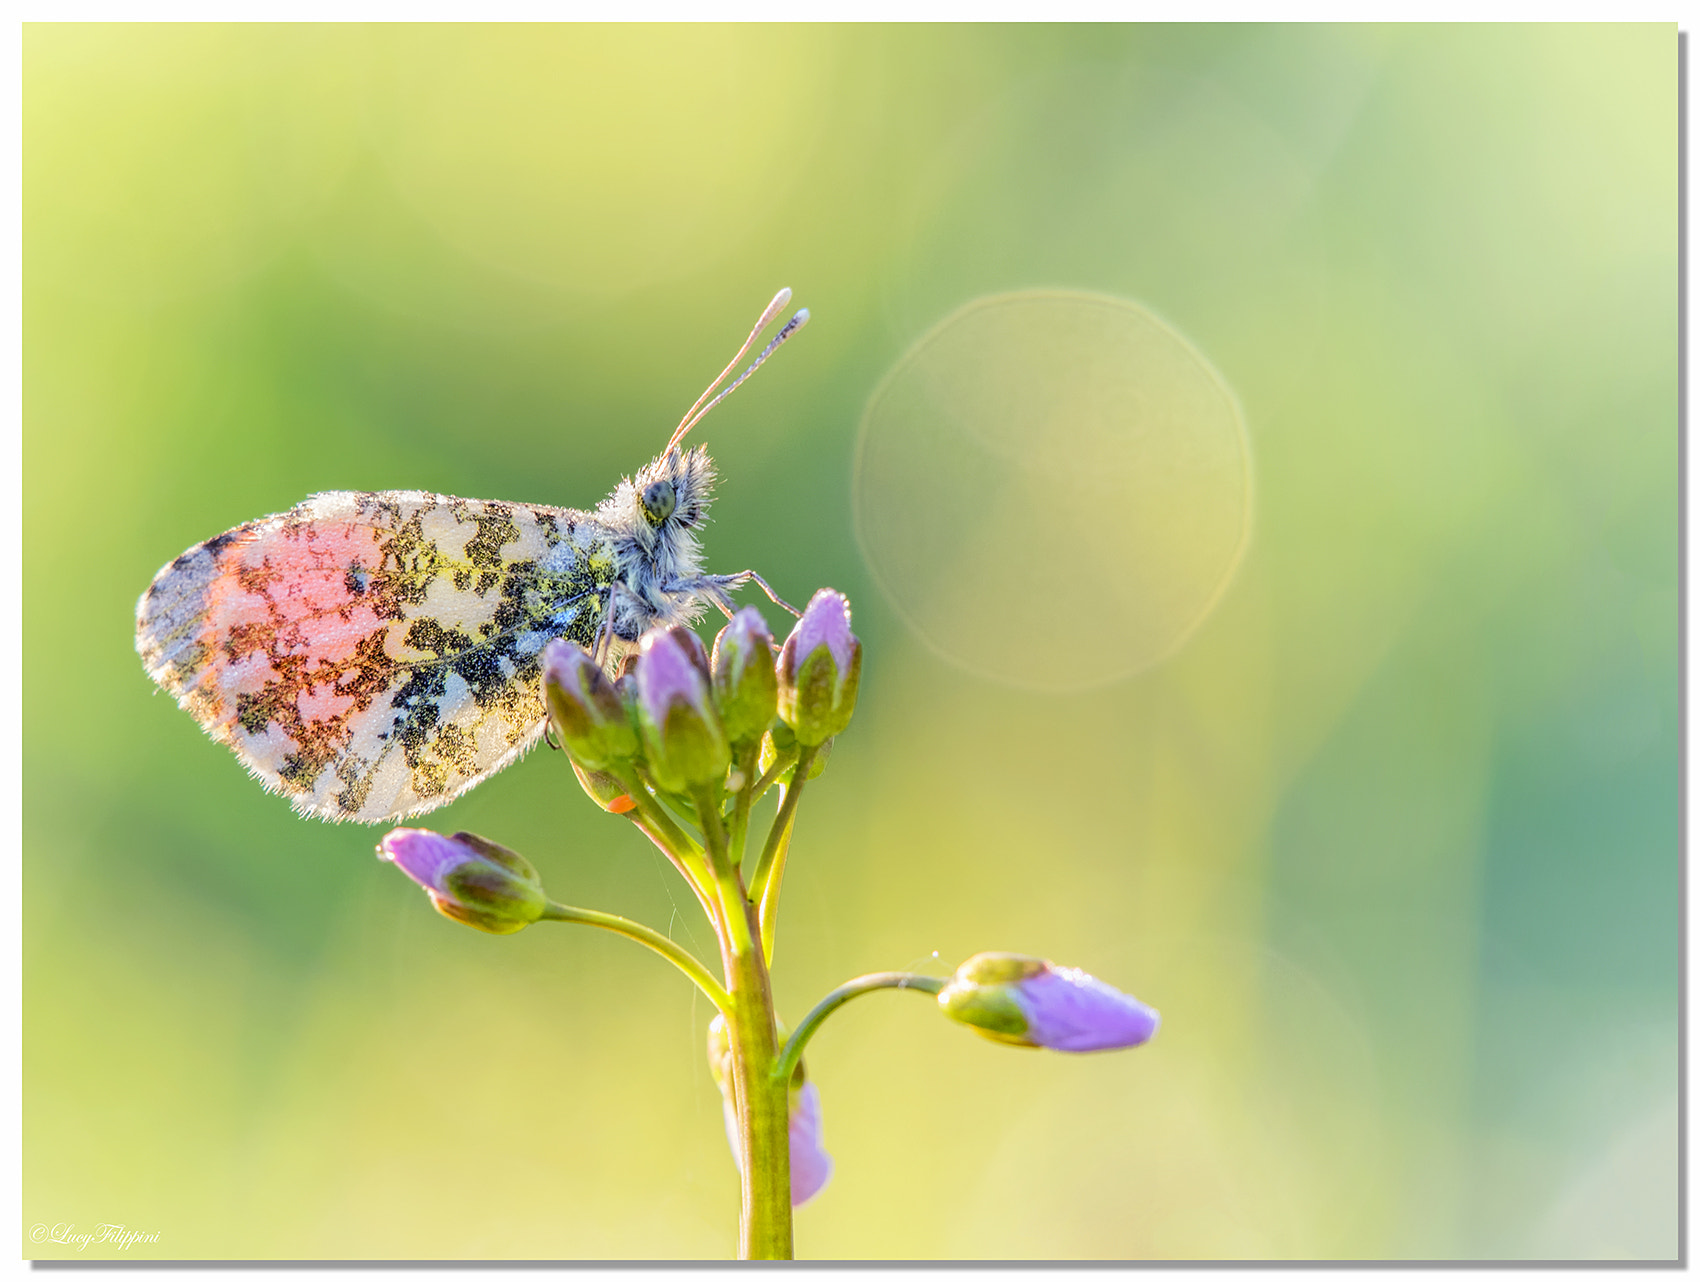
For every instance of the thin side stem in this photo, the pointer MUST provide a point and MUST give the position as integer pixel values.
(741, 807)
(637, 788)
(792, 1055)
(651, 939)
(773, 772)
(643, 825)
(660, 828)
(713, 833)
(675, 807)
(767, 911)
(782, 821)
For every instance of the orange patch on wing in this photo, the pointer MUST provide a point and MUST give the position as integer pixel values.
(323, 703)
(230, 605)
(335, 640)
(245, 676)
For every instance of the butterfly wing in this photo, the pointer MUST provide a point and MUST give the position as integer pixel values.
(373, 655)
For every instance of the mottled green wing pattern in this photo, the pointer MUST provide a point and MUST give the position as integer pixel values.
(374, 655)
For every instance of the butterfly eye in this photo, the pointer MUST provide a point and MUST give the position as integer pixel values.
(659, 501)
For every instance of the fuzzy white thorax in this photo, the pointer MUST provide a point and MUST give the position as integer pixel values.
(658, 564)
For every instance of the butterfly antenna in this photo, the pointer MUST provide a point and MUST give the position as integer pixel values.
(696, 412)
(768, 313)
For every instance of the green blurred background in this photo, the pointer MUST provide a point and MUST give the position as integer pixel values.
(1392, 842)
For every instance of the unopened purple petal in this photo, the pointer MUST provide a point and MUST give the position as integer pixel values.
(746, 637)
(826, 622)
(729, 1115)
(665, 675)
(811, 1166)
(1069, 1010)
(560, 660)
(423, 855)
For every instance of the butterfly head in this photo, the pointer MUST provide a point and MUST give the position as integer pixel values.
(667, 499)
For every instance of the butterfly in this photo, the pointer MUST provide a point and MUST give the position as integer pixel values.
(374, 655)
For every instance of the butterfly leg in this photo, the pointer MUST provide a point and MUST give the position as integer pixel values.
(605, 633)
(706, 587)
(714, 587)
(773, 596)
(605, 630)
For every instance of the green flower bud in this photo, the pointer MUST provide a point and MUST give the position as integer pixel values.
(746, 688)
(586, 710)
(684, 742)
(820, 668)
(605, 790)
(472, 880)
(981, 994)
(781, 742)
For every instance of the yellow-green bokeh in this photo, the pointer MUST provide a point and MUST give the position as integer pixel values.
(1067, 449)
(1391, 841)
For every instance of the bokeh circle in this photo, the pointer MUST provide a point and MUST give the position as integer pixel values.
(1053, 488)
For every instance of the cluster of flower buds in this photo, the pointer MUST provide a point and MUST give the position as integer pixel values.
(1027, 1001)
(690, 725)
(468, 878)
(683, 716)
(811, 1164)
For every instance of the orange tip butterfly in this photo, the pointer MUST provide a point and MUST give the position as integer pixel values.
(374, 655)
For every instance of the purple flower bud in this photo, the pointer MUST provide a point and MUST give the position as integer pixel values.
(820, 668)
(472, 880)
(692, 645)
(584, 706)
(1027, 1001)
(811, 1164)
(745, 686)
(720, 1056)
(684, 742)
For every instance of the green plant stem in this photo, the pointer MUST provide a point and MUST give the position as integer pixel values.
(793, 1052)
(782, 820)
(761, 1101)
(772, 773)
(653, 940)
(769, 871)
(767, 913)
(643, 825)
(672, 840)
(713, 832)
(678, 809)
(637, 788)
(746, 795)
